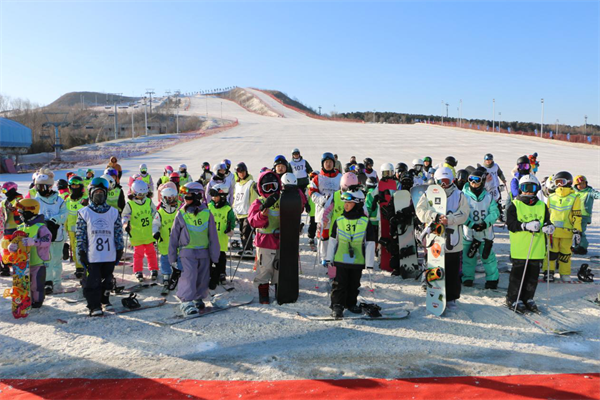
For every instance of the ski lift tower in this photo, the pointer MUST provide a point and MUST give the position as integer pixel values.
(56, 119)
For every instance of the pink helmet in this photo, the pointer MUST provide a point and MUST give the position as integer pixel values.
(349, 179)
(169, 169)
(6, 186)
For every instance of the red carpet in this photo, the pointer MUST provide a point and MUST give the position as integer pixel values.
(561, 386)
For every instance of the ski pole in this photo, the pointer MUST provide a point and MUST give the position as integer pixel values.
(242, 256)
(548, 244)
(372, 289)
(315, 265)
(230, 262)
(525, 270)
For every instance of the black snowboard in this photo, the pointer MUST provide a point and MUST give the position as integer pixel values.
(290, 212)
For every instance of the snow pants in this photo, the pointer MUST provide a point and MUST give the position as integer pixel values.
(585, 221)
(97, 283)
(138, 257)
(165, 265)
(193, 283)
(73, 243)
(267, 270)
(560, 252)
(246, 233)
(468, 264)
(37, 281)
(312, 228)
(217, 270)
(452, 264)
(345, 287)
(529, 284)
(54, 267)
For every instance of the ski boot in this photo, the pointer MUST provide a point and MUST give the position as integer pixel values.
(108, 306)
(139, 276)
(199, 304)
(337, 312)
(96, 312)
(355, 309)
(188, 308)
(79, 273)
(566, 278)
(451, 305)
(263, 293)
(65, 252)
(531, 306)
(491, 285)
(154, 275)
(48, 287)
(468, 283)
(165, 289)
(223, 279)
(519, 304)
(36, 304)
(585, 273)
(551, 276)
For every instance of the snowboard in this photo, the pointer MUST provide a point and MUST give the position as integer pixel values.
(386, 189)
(416, 192)
(290, 213)
(119, 309)
(435, 273)
(409, 261)
(385, 316)
(21, 288)
(220, 304)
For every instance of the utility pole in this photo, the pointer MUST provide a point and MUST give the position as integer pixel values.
(557, 126)
(499, 121)
(150, 92)
(116, 115)
(460, 114)
(447, 109)
(442, 112)
(168, 92)
(585, 126)
(542, 124)
(145, 116)
(493, 114)
(320, 112)
(177, 93)
(132, 126)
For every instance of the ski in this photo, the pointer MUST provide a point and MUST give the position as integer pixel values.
(385, 316)
(541, 280)
(544, 323)
(145, 305)
(215, 307)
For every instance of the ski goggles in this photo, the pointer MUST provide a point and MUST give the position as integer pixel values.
(475, 179)
(489, 157)
(214, 192)
(270, 187)
(529, 187)
(143, 171)
(170, 199)
(444, 182)
(560, 182)
(387, 174)
(350, 197)
(99, 182)
(524, 166)
(75, 181)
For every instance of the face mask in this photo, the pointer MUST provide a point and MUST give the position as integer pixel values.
(99, 197)
(77, 192)
(28, 215)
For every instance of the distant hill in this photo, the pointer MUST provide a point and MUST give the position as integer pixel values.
(90, 98)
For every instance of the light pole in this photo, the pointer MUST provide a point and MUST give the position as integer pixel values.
(150, 92)
(557, 126)
(585, 126)
(132, 126)
(493, 114)
(145, 117)
(542, 124)
(447, 109)
(499, 121)
(460, 114)
(177, 94)
(442, 112)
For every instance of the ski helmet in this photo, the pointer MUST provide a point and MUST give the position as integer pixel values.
(349, 181)
(279, 160)
(28, 208)
(44, 177)
(227, 164)
(387, 170)
(289, 179)
(529, 184)
(371, 182)
(139, 188)
(427, 159)
(401, 168)
(580, 179)
(296, 151)
(462, 177)
(241, 167)
(268, 183)
(112, 172)
(359, 168)
(182, 168)
(8, 186)
(206, 166)
(450, 160)
(143, 169)
(219, 189)
(488, 156)
(563, 179)
(193, 191)
(444, 177)
(174, 177)
(325, 157)
(90, 171)
(407, 180)
(168, 170)
(353, 196)
(98, 190)
(417, 164)
(368, 162)
(75, 180)
(169, 195)
(110, 180)
(62, 184)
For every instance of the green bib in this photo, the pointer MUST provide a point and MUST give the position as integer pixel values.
(220, 216)
(560, 210)
(72, 207)
(351, 234)
(32, 232)
(519, 241)
(147, 180)
(10, 217)
(141, 223)
(166, 220)
(338, 208)
(197, 227)
(273, 215)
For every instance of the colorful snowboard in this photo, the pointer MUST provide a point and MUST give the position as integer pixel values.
(407, 245)
(290, 213)
(416, 192)
(21, 289)
(386, 189)
(436, 245)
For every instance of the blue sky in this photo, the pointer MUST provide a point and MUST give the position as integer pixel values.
(389, 56)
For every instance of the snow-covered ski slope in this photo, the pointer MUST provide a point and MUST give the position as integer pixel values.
(270, 342)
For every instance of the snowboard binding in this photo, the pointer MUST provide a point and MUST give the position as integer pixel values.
(174, 279)
(372, 310)
(131, 302)
(117, 289)
(585, 273)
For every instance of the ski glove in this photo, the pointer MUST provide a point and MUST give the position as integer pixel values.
(28, 242)
(83, 258)
(548, 229)
(480, 227)
(307, 207)
(157, 237)
(119, 255)
(531, 226)
(230, 233)
(269, 202)
(576, 238)
(175, 266)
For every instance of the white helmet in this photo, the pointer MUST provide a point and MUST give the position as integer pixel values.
(44, 177)
(443, 174)
(417, 161)
(143, 167)
(110, 180)
(529, 183)
(355, 197)
(169, 194)
(139, 187)
(387, 170)
(289, 179)
(219, 188)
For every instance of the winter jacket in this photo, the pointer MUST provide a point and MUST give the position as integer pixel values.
(54, 209)
(369, 239)
(514, 184)
(257, 220)
(478, 216)
(82, 234)
(321, 190)
(180, 238)
(43, 240)
(587, 196)
(113, 164)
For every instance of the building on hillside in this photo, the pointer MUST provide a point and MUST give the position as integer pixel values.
(15, 139)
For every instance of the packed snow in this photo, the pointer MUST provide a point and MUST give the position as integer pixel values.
(268, 342)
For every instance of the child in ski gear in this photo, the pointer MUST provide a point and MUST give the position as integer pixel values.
(264, 217)
(419, 177)
(351, 248)
(528, 221)
(428, 168)
(373, 212)
(161, 227)
(137, 216)
(53, 207)
(32, 191)
(63, 188)
(206, 174)
(194, 240)
(219, 177)
(39, 240)
(76, 201)
(457, 213)
(451, 163)
(184, 175)
(10, 215)
(166, 175)
(116, 197)
(99, 246)
(245, 194)
(369, 171)
(225, 221)
(229, 179)
(301, 168)
(565, 215)
(349, 182)
(147, 178)
(478, 232)
(281, 166)
(321, 190)
(117, 167)
(587, 195)
(311, 210)
(523, 168)
(534, 163)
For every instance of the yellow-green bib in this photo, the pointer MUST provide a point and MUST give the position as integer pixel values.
(519, 241)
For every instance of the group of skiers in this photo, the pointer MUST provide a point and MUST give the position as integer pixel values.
(351, 213)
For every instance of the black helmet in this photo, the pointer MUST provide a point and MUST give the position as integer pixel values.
(451, 161)
(401, 168)
(368, 161)
(563, 179)
(489, 156)
(241, 167)
(348, 167)
(523, 160)
(407, 180)
(206, 166)
(462, 177)
(360, 168)
(62, 184)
